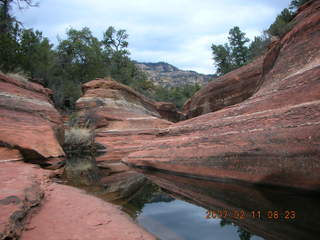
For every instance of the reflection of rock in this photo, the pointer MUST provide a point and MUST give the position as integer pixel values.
(123, 184)
(236, 197)
(113, 168)
(29, 122)
(271, 138)
(82, 170)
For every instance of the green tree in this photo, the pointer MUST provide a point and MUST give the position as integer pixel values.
(222, 58)
(10, 35)
(9, 49)
(231, 55)
(176, 95)
(7, 20)
(239, 50)
(281, 24)
(121, 67)
(258, 46)
(115, 41)
(115, 44)
(295, 4)
(37, 56)
(80, 56)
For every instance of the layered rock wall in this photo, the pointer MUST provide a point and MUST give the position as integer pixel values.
(31, 127)
(125, 119)
(271, 138)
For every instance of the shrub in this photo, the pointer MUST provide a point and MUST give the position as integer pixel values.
(79, 140)
(18, 76)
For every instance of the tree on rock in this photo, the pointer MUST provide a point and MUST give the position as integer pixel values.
(231, 55)
(295, 4)
(222, 58)
(239, 50)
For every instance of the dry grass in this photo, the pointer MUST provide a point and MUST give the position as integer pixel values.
(79, 136)
(18, 76)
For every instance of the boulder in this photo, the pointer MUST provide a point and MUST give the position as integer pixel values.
(124, 118)
(31, 127)
(271, 138)
(168, 111)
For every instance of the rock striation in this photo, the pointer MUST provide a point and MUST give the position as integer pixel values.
(124, 118)
(271, 138)
(232, 88)
(31, 128)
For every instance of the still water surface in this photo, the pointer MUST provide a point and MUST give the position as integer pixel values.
(181, 220)
(174, 207)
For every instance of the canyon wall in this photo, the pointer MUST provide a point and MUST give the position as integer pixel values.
(31, 127)
(271, 138)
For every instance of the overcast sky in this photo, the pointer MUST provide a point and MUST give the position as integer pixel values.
(179, 32)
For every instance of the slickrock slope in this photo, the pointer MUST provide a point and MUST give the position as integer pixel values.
(30, 125)
(271, 138)
(232, 88)
(124, 118)
(37, 208)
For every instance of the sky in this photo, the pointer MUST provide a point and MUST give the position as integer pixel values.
(179, 32)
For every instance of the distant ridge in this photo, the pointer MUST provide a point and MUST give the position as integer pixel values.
(167, 75)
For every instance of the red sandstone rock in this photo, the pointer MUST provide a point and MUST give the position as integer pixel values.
(232, 88)
(29, 121)
(68, 213)
(19, 194)
(32, 207)
(168, 111)
(124, 117)
(271, 138)
(108, 94)
(9, 155)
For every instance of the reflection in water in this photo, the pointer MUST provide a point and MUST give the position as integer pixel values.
(182, 220)
(273, 205)
(82, 171)
(243, 234)
(173, 207)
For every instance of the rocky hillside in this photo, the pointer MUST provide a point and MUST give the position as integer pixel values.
(166, 75)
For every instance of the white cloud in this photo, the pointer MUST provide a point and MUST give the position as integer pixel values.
(177, 31)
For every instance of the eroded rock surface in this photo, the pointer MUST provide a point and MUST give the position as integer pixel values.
(124, 118)
(29, 122)
(20, 194)
(69, 213)
(271, 138)
(232, 88)
(33, 207)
